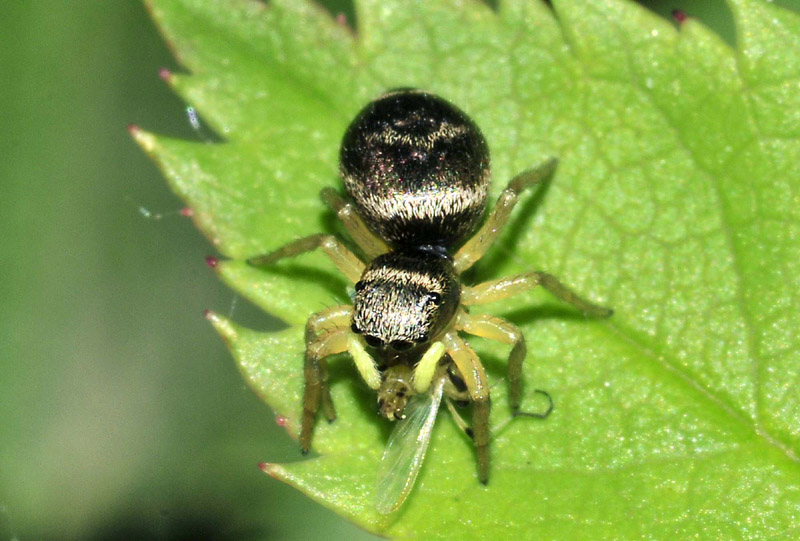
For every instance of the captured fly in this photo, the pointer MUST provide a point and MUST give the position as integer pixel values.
(405, 451)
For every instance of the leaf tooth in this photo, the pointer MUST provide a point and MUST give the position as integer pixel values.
(273, 470)
(146, 140)
(226, 328)
(270, 363)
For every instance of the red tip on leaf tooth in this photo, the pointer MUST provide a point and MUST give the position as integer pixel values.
(212, 261)
(165, 74)
(187, 212)
(208, 314)
(133, 128)
(679, 15)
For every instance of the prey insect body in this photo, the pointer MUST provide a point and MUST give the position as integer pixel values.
(402, 459)
(405, 451)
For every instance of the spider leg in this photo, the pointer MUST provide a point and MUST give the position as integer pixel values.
(324, 345)
(455, 390)
(474, 376)
(504, 288)
(336, 337)
(495, 328)
(460, 422)
(335, 317)
(364, 362)
(347, 262)
(426, 367)
(476, 247)
(370, 243)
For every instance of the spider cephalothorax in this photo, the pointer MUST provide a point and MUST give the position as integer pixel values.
(404, 299)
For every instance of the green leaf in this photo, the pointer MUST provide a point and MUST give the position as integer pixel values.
(676, 202)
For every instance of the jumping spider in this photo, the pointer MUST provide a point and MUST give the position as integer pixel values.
(416, 169)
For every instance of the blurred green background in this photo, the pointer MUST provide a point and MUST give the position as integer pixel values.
(121, 413)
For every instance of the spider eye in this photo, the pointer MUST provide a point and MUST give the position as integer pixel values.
(354, 328)
(373, 341)
(422, 339)
(436, 298)
(400, 345)
(360, 285)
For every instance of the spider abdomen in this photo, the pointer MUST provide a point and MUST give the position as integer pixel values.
(417, 169)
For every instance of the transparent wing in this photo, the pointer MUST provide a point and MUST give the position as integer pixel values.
(403, 456)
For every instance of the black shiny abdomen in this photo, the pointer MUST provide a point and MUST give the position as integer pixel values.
(417, 169)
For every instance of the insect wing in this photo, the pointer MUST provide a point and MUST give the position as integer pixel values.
(405, 451)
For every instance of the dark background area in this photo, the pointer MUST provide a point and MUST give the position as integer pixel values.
(122, 414)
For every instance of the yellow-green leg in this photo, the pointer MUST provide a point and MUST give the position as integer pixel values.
(347, 262)
(460, 423)
(346, 212)
(477, 384)
(476, 247)
(324, 345)
(424, 371)
(504, 288)
(495, 328)
(328, 320)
